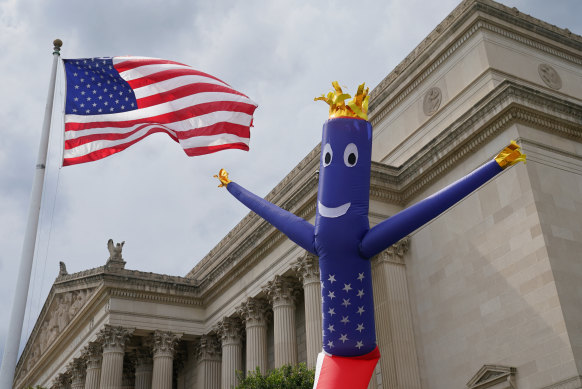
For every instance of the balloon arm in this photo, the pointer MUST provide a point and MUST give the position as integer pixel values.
(297, 229)
(391, 230)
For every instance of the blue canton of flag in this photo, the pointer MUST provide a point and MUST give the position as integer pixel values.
(95, 87)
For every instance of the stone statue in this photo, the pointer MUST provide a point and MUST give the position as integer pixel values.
(62, 269)
(115, 250)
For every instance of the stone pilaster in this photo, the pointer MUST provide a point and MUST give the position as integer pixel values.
(78, 367)
(93, 353)
(114, 339)
(255, 313)
(207, 353)
(282, 292)
(399, 362)
(307, 268)
(229, 331)
(163, 347)
(143, 369)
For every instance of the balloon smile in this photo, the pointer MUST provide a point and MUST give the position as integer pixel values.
(332, 212)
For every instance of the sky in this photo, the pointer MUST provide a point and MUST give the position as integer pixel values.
(164, 205)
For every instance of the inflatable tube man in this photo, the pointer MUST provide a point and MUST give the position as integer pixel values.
(343, 239)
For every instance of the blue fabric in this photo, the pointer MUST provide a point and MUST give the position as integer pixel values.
(403, 223)
(297, 229)
(94, 87)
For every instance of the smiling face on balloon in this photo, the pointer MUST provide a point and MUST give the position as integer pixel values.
(344, 170)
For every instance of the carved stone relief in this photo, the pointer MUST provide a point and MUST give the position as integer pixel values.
(65, 307)
(550, 76)
(432, 101)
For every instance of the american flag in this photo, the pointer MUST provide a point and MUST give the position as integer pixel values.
(114, 102)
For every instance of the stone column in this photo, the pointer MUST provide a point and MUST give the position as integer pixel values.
(307, 268)
(255, 313)
(143, 369)
(93, 352)
(163, 347)
(282, 292)
(399, 362)
(78, 367)
(113, 339)
(207, 352)
(229, 331)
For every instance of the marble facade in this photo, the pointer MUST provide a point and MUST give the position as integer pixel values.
(486, 296)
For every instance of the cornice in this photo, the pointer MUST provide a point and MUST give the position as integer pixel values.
(418, 57)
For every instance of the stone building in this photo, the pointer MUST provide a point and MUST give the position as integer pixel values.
(486, 296)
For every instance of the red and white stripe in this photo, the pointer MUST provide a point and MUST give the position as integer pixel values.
(199, 111)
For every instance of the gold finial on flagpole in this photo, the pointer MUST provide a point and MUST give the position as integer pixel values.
(57, 46)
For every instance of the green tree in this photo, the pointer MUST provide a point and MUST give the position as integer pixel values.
(285, 377)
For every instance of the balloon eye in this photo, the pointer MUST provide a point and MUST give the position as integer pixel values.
(351, 155)
(327, 155)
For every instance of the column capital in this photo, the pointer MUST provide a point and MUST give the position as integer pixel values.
(114, 338)
(62, 381)
(93, 354)
(229, 331)
(163, 343)
(78, 368)
(282, 290)
(307, 268)
(254, 312)
(208, 348)
(393, 254)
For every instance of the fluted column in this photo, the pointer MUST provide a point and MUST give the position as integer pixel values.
(93, 353)
(399, 362)
(282, 292)
(229, 330)
(143, 369)
(78, 367)
(163, 347)
(207, 352)
(307, 268)
(255, 315)
(113, 339)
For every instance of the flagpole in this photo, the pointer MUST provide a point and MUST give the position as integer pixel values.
(10, 355)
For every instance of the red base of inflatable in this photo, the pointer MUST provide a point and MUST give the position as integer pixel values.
(335, 372)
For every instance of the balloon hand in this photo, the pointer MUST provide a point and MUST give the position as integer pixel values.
(223, 178)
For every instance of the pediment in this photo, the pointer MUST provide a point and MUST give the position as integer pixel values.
(493, 377)
(60, 309)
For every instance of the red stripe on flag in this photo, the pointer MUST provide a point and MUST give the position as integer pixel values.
(213, 149)
(164, 75)
(183, 91)
(171, 117)
(133, 63)
(95, 155)
(215, 129)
